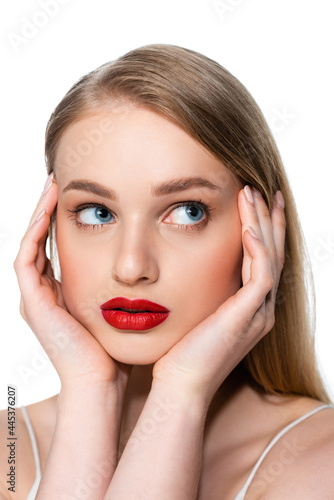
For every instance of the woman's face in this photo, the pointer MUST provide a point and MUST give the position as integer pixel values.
(144, 212)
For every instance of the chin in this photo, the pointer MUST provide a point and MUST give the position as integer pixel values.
(131, 358)
(135, 351)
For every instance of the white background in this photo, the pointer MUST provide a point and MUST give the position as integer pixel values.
(281, 50)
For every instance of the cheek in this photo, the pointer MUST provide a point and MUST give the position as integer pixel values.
(78, 277)
(224, 270)
(210, 276)
(224, 261)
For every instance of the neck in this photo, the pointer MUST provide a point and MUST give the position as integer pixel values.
(139, 387)
(223, 404)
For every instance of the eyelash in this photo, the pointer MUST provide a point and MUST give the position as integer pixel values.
(196, 226)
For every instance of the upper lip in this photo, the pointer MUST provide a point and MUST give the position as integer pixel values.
(139, 304)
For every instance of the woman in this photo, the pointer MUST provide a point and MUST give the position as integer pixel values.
(179, 324)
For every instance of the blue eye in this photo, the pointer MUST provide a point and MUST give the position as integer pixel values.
(185, 214)
(91, 216)
(95, 216)
(189, 215)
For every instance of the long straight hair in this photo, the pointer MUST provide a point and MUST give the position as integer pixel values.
(211, 105)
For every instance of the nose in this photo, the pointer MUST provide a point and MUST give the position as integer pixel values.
(135, 260)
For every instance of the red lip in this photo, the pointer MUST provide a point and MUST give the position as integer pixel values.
(153, 314)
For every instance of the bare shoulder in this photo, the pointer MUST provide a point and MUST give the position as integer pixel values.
(301, 464)
(16, 453)
(283, 445)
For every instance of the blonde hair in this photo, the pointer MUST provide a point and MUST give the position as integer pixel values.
(210, 104)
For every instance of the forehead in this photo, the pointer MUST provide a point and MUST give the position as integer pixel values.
(128, 141)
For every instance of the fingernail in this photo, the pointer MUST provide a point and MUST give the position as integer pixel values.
(257, 193)
(252, 232)
(249, 194)
(280, 199)
(48, 183)
(40, 215)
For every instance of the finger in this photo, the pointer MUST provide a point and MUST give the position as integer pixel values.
(48, 184)
(32, 244)
(279, 228)
(248, 211)
(47, 202)
(248, 217)
(22, 310)
(246, 260)
(275, 247)
(25, 263)
(265, 222)
(250, 297)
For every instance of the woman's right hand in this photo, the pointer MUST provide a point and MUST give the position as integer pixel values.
(76, 355)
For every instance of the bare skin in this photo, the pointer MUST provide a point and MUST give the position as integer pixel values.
(141, 253)
(223, 471)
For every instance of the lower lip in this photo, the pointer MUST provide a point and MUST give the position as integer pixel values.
(123, 320)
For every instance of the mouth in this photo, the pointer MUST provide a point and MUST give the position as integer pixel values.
(129, 310)
(133, 314)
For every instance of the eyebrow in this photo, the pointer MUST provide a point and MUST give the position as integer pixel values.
(164, 188)
(91, 187)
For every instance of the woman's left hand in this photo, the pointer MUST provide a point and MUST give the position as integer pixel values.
(205, 356)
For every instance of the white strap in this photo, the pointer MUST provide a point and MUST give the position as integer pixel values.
(242, 492)
(38, 476)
